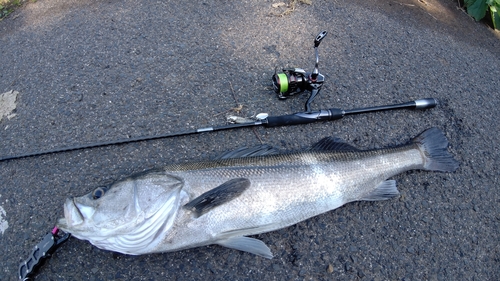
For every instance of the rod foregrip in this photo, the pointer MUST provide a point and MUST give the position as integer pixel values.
(304, 117)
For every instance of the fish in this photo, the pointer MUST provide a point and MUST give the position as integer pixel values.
(242, 193)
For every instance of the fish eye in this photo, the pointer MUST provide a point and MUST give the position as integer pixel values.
(98, 193)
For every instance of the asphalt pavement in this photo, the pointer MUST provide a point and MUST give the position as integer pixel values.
(89, 71)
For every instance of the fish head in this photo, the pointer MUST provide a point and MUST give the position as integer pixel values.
(126, 217)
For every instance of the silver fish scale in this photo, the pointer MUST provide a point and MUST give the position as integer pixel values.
(290, 159)
(284, 190)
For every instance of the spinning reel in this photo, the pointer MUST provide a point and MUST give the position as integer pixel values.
(296, 80)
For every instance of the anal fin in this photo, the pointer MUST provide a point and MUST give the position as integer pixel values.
(385, 190)
(247, 244)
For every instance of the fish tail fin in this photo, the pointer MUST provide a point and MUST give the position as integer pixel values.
(433, 146)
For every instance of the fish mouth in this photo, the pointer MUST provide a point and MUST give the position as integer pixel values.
(72, 215)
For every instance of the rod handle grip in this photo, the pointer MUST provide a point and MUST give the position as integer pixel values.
(304, 117)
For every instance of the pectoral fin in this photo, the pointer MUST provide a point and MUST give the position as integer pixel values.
(247, 244)
(218, 196)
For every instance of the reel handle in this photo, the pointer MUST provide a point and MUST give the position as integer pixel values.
(320, 37)
(317, 40)
(314, 93)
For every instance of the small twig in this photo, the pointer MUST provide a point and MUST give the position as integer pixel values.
(236, 109)
(432, 16)
(412, 5)
(232, 92)
(404, 4)
(257, 135)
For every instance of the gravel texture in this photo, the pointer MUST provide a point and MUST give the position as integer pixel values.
(90, 71)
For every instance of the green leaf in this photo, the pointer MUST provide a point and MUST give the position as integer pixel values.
(476, 8)
(494, 3)
(495, 17)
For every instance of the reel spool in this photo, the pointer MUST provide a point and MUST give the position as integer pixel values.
(289, 82)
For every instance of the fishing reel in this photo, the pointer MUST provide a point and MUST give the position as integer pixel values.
(296, 80)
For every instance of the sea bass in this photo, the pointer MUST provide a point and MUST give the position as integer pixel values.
(243, 193)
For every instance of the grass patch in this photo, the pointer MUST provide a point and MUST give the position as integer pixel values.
(289, 7)
(8, 6)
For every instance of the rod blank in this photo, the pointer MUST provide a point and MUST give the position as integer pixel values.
(271, 121)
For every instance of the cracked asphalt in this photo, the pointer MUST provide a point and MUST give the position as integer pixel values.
(89, 71)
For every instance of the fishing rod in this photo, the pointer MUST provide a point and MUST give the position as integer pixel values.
(262, 120)
(289, 82)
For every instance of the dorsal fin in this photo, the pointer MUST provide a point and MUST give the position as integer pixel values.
(218, 196)
(331, 143)
(259, 150)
